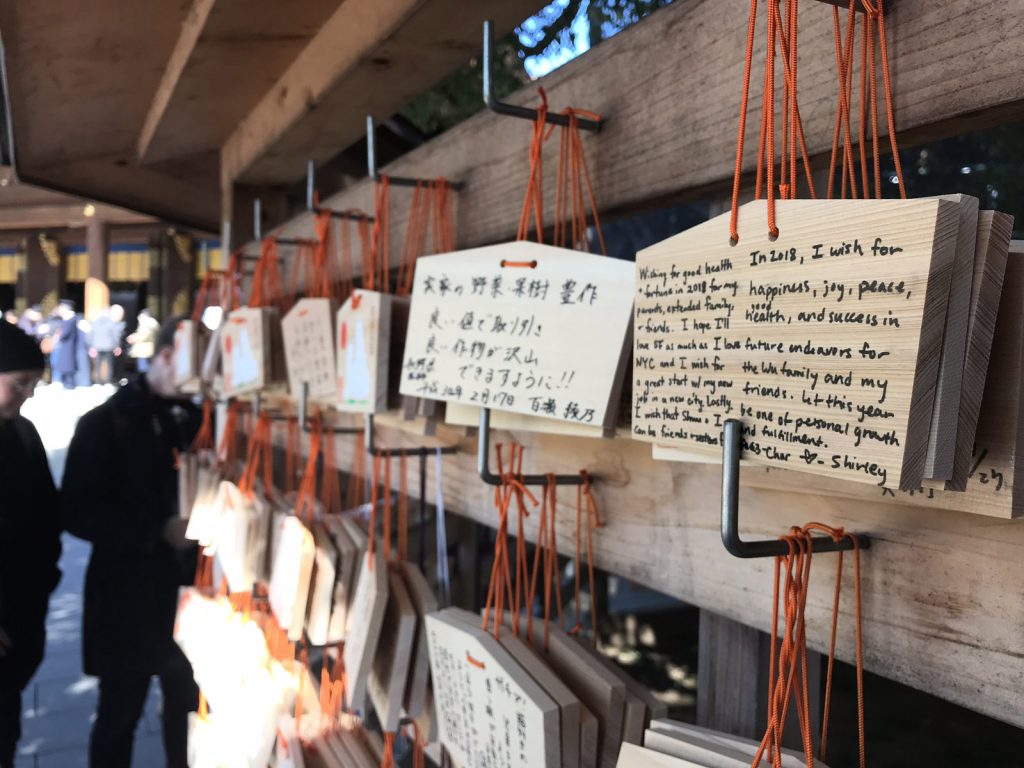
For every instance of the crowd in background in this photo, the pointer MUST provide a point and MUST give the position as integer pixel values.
(82, 352)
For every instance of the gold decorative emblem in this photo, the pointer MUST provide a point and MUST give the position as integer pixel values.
(51, 250)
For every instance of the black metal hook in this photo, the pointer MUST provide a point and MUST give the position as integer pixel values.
(311, 199)
(395, 181)
(734, 545)
(513, 110)
(257, 231)
(425, 450)
(483, 454)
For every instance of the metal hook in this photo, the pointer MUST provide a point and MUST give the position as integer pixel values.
(395, 181)
(734, 545)
(304, 417)
(311, 199)
(483, 453)
(257, 230)
(425, 450)
(513, 110)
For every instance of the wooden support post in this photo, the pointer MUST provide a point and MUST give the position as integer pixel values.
(179, 272)
(97, 245)
(42, 281)
(732, 681)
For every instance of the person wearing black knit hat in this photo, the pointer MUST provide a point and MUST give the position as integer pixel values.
(29, 533)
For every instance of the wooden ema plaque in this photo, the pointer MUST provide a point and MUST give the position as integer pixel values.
(824, 343)
(366, 617)
(251, 350)
(190, 340)
(363, 344)
(391, 662)
(601, 692)
(632, 756)
(459, 415)
(730, 747)
(424, 601)
(542, 340)
(349, 558)
(489, 710)
(938, 463)
(994, 485)
(308, 333)
(290, 576)
(322, 588)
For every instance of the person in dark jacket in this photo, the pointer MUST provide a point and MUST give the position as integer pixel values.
(120, 493)
(29, 533)
(67, 343)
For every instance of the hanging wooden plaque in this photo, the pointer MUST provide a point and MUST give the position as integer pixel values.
(938, 463)
(308, 334)
(366, 617)
(390, 670)
(599, 691)
(991, 252)
(460, 415)
(349, 558)
(424, 601)
(705, 738)
(824, 343)
(363, 346)
(321, 595)
(995, 485)
(489, 710)
(520, 327)
(190, 340)
(632, 756)
(251, 350)
(290, 576)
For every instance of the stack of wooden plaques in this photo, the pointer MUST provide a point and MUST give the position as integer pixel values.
(671, 744)
(290, 577)
(806, 338)
(560, 705)
(308, 335)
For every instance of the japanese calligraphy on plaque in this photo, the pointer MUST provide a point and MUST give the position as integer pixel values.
(489, 710)
(520, 327)
(308, 331)
(363, 343)
(825, 342)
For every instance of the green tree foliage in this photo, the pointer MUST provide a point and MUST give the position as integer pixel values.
(553, 32)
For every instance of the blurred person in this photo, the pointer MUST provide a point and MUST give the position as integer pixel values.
(66, 343)
(120, 493)
(30, 321)
(29, 533)
(105, 341)
(142, 340)
(11, 317)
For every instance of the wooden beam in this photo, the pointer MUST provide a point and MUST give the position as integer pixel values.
(66, 215)
(229, 53)
(664, 141)
(191, 28)
(940, 598)
(372, 57)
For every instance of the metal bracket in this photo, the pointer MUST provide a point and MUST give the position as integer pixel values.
(311, 199)
(257, 230)
(395, 181)
(483, 454)
(734, 545)
(425, 450)
(513, 110)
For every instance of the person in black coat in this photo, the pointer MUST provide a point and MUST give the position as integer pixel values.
(29, 533)
(120, 493)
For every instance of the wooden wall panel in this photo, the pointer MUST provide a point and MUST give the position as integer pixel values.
(669, 89)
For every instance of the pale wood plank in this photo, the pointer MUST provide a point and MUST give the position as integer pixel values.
(990, 267)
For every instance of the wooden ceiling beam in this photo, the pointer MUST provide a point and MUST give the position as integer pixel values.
(191, 29)
(228, 55)
(371, 58)
(64, 215)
